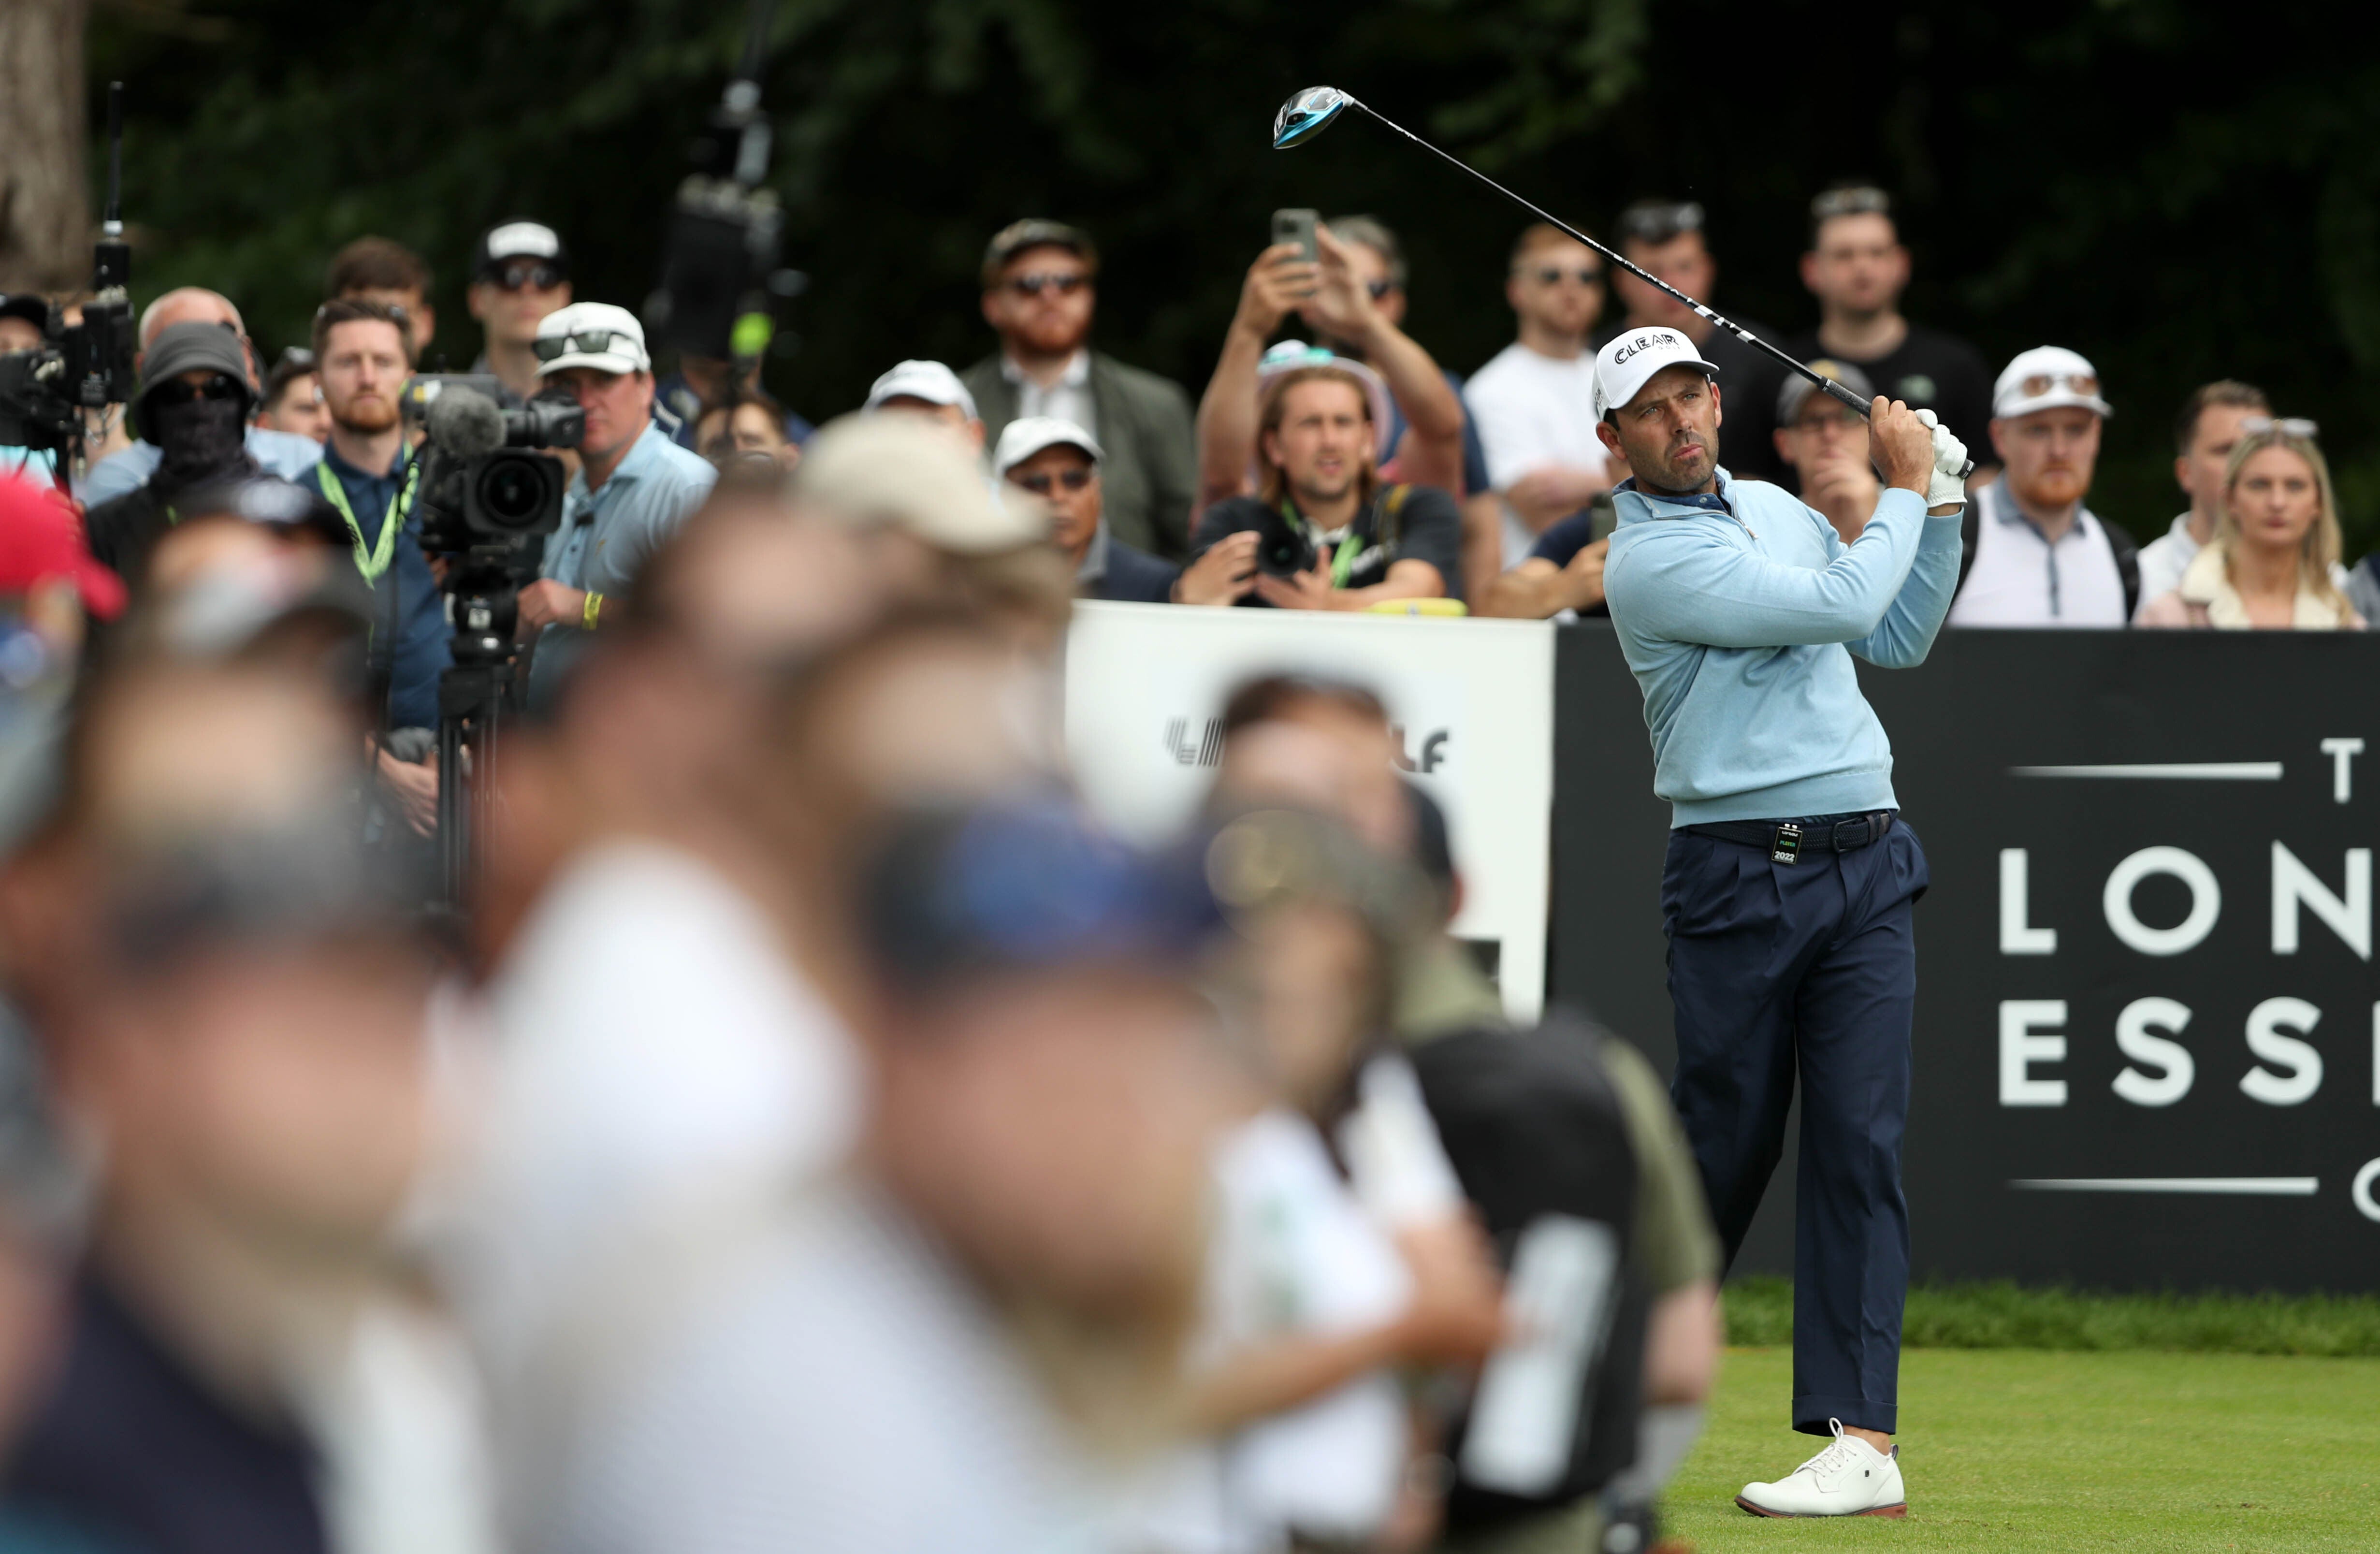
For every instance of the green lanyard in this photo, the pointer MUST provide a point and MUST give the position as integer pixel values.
(371, 560)
(1342, 555)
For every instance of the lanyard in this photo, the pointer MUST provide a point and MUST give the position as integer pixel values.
(372, 561)
(1342, 555)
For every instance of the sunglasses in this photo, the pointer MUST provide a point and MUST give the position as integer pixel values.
(2288, 425)
(2040, 383)
(589, 342)
(219, 387)
(1659, 223)
(524, 274)
(1379, 289)
(1033, 286)
(1851, 203)
(296, 359)
(1041, 485)
(1554, 276)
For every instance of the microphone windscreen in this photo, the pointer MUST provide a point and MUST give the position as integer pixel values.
(465, 422)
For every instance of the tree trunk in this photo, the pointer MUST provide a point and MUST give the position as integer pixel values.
(44, 193)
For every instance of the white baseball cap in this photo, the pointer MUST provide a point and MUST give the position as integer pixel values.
(594, 334)
(2047, 378)
(929, 381)
(1630, 358)
(1031, 434)
(901, 472)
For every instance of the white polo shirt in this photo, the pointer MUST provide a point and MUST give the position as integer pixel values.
(2019, 579)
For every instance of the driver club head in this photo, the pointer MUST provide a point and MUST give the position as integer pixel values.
(1305, 116)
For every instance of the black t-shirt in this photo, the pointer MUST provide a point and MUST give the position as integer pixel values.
(1425, 525)
(1930, 371)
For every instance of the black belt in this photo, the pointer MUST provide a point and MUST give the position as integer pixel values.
(1786, 841)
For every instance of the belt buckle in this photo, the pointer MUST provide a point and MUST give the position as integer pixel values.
(1786, 845)
(1854, 833)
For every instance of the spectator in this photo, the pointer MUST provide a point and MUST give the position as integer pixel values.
(703, 384)
(1336, 298)
(384, 270)
(276, 453)
(520, 273)
(1041, 286)
(1561, 578)
(1824, 441)
(630, 491)
(930, 390)
(1857, 268)
(1065, 466)
(2364, 588)
(1377, 260)
(2274, 557)
(193, 400)
(1666, 238)
(747, 425)
(24, 320)
(292, 396)
(2203, 435)
(1534, 403)
(2031, 554)
(364, 352)
(1331, 536)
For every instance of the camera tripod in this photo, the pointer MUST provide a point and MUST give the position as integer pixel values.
(473, 696)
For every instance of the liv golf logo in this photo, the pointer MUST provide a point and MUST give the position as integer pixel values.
(1196, 742)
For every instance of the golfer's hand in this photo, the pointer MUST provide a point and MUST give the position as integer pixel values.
(1223, 576)
(1277, 282)
(1902, 445)
(545, 602)
(1310, 589)
(1948, 488)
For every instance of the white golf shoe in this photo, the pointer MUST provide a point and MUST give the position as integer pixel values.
(1849, 1478)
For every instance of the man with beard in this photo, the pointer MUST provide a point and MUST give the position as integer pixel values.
(194, 403)
(1789, 888)
(1039, 288)
(2032, 555)
(364, 353)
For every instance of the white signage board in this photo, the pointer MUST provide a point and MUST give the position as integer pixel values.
(1473, 702)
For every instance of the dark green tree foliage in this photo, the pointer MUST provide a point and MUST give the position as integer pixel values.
(2178, 194)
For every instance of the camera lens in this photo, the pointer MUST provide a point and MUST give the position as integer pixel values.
(512, 492)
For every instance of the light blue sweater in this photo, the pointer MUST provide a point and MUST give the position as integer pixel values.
(1739, 614)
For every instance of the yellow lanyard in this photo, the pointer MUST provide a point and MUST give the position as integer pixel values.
(1342, 556)
(374, 560)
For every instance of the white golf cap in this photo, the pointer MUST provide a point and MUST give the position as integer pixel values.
(594, 334)
(1031, 434)
(929, 381)
(2047, 378)
(900, 472)
(1630, 358)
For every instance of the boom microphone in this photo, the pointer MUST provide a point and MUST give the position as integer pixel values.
(465, 423)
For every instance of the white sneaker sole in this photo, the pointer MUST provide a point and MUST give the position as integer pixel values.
(1896, 1511)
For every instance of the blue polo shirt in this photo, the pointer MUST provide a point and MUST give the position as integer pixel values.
(405, 593)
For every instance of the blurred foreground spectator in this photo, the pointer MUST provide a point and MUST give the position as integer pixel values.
(1041, 287)
(1857, 268)
(930, 390)
(1534, 403)
(292, 396)
(2273, 560)
(1339, 539)
(2204, 435)
(2033, 554)
(1062, 464)
(1824, 441)
(1665, 238)
(116, 470)
(384, 270)
(521, 273)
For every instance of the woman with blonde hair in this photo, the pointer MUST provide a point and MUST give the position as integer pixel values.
(2274, 560)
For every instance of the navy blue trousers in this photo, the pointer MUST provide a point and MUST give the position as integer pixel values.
(1809, 967)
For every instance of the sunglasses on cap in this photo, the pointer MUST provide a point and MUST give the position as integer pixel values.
(1659, 223)
(219, 386)
(2039, 384)
(2288, 425)
(588, 342)
(1042, 484)
(524, 274)
(1554, 274)
(1033, 286)
(1861, 202)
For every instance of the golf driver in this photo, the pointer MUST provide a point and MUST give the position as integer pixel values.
(1310, 112)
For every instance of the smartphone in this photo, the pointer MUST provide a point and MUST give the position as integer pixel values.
(1296, 227)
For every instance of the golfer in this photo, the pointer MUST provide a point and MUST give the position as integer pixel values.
(1788, 890)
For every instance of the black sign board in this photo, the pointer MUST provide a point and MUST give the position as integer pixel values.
(2148, 1020)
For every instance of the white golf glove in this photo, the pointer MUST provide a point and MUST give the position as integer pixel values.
(1948, 488)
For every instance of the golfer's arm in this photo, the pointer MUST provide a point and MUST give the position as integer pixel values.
(1406, 579)
(1906, 634)
(1227, 419)
(1531, 592)
(1692, 585)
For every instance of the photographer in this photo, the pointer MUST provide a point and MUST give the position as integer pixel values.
(631, 491)
(24, 317)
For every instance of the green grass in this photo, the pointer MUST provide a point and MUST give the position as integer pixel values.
(2013, 1451)
(2002, 1316)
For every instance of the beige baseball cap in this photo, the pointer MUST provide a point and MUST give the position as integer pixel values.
(902, 472)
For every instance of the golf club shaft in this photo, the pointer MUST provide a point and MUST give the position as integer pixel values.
(1819, 380)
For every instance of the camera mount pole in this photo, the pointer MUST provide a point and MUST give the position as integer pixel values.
(471, 696)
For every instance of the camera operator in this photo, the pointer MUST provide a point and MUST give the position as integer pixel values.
(634, 486)
(194, 400)
(24, 317)
(278, 453)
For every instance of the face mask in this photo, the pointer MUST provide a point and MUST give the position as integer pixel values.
(201, 438)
